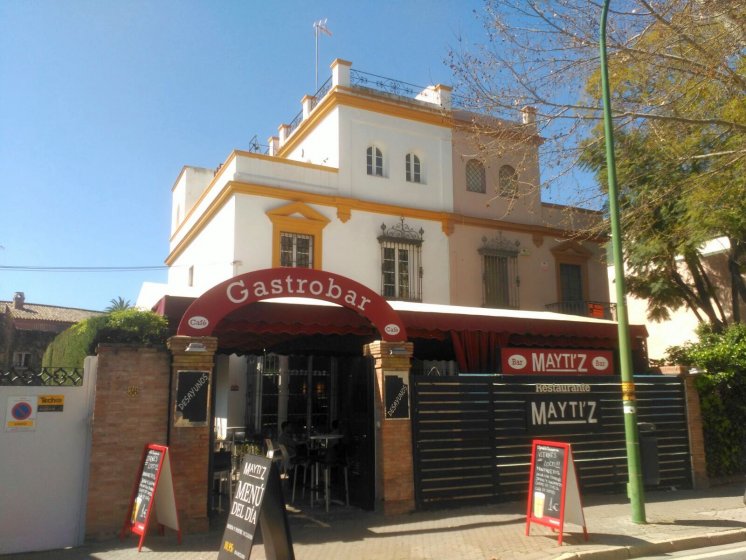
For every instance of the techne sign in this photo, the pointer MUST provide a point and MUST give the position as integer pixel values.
(207, 311)
(557, 362)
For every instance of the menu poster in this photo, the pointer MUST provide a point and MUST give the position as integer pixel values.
(553, 493)
(257, 501)
(153, 489)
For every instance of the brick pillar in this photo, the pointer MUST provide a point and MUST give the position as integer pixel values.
(394, 464)
(696, 435)
(694, 424)
(189, 444)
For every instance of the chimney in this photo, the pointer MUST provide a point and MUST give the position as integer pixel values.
(18, 300)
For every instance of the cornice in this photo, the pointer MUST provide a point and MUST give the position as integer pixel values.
(345, 206)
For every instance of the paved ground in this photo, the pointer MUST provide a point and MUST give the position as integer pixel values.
(677, 520)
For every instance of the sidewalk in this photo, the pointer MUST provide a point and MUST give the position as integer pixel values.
(677, 520)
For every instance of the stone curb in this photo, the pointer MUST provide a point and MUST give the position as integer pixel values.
(648, 549)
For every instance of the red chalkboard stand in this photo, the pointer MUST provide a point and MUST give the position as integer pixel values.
(553, 492)
(153, 489)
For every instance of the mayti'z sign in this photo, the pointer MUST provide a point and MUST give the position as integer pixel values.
(562, 408)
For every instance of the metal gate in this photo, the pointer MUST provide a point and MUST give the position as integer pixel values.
(472, 434)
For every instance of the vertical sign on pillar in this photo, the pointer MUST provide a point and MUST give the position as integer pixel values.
(396, 395)
(192, 397)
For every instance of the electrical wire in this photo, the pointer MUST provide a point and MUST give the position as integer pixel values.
(21, 268)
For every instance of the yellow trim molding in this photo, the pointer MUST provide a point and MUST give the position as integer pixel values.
(345, 206)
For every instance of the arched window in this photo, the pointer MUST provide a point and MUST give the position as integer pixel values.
(375, 161)
(475, 177)
(508, 180)
(412, 164)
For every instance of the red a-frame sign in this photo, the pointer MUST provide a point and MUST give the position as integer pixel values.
(553, 493)
(153, 488)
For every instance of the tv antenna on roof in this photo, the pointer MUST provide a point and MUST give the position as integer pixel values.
(319, 26)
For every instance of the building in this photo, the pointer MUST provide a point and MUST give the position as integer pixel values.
(682, 325)
(26, 329)
(388, 190)
(375, 199)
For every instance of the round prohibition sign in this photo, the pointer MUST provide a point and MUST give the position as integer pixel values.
(21, 410)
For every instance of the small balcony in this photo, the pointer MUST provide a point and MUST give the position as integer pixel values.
(584, 308)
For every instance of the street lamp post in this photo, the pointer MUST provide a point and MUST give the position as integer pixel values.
(635, 489)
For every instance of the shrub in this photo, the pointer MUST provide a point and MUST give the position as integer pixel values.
(133, 326)
(722, 391)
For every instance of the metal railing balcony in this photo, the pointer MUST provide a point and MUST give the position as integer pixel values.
(585, 308)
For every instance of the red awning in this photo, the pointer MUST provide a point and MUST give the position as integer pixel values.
(260, 324)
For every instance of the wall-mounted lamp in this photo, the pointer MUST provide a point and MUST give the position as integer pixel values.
(195, 347)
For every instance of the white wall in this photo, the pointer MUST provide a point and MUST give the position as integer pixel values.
(44, 472)
(396, 137)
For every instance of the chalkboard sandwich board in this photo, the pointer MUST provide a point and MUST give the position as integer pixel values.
(257, 501)
(553, 493)
(153, 489)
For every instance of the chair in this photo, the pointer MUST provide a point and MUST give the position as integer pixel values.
(334, 458)
(302, 460)
(221, 476)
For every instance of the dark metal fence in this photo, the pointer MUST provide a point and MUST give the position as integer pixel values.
(50, 376)
(472, 433)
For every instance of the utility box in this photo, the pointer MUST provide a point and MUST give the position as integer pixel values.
(649, 453)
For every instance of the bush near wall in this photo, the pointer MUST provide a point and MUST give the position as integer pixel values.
(132, 326)
(722, 390)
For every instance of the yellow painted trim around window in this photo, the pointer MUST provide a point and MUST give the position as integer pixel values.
(310, 223)
(345, 206)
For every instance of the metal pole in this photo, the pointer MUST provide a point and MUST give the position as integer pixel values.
(316, 30)
(635, 488)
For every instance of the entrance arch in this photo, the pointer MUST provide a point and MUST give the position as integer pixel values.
(204, 314)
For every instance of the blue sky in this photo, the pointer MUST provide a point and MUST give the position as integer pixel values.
(103, 102)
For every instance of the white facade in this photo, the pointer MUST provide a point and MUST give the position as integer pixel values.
(340, 177)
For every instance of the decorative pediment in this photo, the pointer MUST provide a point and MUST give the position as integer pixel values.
(571, 249)
(500, 245)
(401, 233)
(298, 210)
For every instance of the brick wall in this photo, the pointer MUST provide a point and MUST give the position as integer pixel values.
(130, 411)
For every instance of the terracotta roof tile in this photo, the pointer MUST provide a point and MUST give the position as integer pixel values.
(36, 312)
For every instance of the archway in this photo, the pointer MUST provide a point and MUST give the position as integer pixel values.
(205, 312)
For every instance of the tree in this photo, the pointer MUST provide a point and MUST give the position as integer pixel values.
(118, 304)
(678, 80)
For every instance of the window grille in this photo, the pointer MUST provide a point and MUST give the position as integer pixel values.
(508, 181)
(401, 262)
(476, 180)
(412, 164)
(375, 161)
(296, 250)
(500, 280)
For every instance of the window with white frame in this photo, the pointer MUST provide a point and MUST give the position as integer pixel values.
(375, 161)
(507, 178)
(413, 168)
(500, 280)
(401, 262)
(296, 250)
(476, 180)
